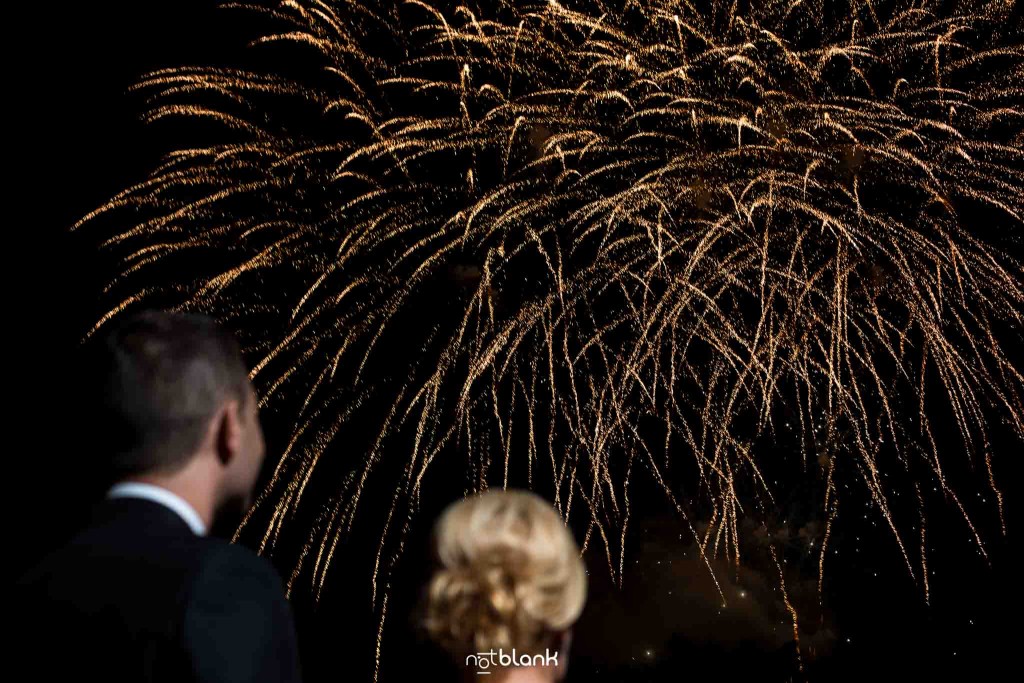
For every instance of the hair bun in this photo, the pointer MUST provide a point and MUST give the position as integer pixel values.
(498, 587)
(510, 575)
(473, 607)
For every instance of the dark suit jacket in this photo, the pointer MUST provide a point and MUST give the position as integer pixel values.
(137, 596)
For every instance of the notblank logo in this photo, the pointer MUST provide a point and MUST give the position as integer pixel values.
(484, 661)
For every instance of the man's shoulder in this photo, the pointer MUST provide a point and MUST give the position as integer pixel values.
(237, 612)
(234, 567)
(104, 547)
(104, 559)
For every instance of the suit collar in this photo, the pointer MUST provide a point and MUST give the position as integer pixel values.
(158, 494)
(145, 515)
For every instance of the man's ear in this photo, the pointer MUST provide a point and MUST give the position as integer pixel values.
(228, 432)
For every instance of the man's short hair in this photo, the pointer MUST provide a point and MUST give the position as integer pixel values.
(157, 379)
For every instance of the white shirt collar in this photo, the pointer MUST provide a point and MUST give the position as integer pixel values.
(158, 494)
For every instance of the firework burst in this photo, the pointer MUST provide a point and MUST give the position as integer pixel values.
(576, 243)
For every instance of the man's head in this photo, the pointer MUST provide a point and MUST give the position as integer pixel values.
(171, 393)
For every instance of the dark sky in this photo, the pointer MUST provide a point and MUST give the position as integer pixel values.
(80, 140)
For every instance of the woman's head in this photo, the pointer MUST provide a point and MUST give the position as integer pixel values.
(509, 575)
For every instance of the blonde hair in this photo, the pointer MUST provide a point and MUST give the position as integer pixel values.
(510, 575)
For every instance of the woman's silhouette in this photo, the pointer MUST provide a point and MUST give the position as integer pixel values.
(508, 587)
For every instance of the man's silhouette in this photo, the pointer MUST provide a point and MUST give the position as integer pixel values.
(143, 592)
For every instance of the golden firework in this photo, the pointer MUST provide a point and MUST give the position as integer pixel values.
(658, 223)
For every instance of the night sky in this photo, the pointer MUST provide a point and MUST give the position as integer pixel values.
(81, 140)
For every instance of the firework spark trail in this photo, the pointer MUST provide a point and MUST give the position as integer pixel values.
(789, 605)
(697, 212)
